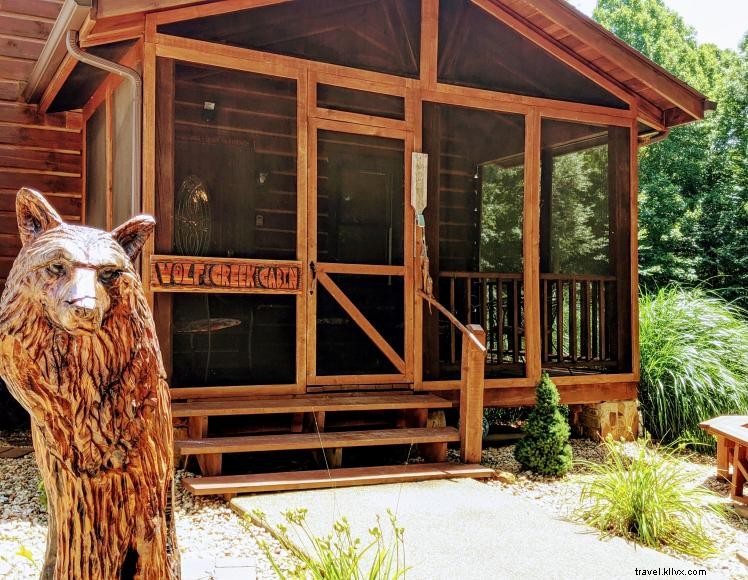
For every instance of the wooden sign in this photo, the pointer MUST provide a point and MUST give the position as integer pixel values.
(418, 181)
(193, 274)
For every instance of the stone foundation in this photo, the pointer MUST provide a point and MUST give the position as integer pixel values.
(619, 419)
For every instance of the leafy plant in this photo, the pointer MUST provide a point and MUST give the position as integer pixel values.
(648, 498)
(338, 555)
(24, 552)
(545, 449)
(694, 362)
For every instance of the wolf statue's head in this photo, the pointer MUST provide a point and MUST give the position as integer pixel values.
(76, 274)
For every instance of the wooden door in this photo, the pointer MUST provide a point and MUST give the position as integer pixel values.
(360, 250)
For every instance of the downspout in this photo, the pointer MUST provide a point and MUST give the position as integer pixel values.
(136, 82)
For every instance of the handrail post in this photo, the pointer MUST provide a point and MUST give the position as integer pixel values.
(472, 382)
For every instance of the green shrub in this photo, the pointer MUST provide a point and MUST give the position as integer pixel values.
(647, 498)
(545, 448)
(694, 362)
(338, 555)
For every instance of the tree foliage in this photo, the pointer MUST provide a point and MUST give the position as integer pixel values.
(693, 185)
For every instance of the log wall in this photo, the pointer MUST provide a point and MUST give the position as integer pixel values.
(42, 152)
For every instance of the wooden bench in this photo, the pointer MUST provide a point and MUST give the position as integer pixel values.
(732, 451)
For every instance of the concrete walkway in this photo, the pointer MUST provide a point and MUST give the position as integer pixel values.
(463, 529)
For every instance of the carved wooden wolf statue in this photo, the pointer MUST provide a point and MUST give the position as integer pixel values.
(79, 351)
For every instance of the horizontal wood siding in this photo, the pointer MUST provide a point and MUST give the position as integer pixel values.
(42, 152)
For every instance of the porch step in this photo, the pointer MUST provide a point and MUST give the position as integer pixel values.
(315, 440)
(320, 479)
(307, 404)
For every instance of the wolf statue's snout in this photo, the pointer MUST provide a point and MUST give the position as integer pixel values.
(81, 304)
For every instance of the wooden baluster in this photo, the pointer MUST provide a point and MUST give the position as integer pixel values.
(469, 300)
(500, 318)
(603, 345)
(515, 322)
(573, 319)
(586, 327)
(452, 338)
(544, 331)
(560, 320)
(484, 321)
(471, 395)
(595, 320)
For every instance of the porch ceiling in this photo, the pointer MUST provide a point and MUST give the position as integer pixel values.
(24, 27)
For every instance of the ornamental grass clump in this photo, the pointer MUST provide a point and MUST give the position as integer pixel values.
(545, 448)
(338, 555)
(649, 498)
(694, 362)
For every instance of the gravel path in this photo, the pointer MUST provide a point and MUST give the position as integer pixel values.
(208, 528)
(561, 496)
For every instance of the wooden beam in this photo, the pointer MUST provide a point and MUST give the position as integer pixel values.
(110, 8)
(54, 86)
(322, 479)
(429, 42)
(622, 55)
(204, 9)
(531, 246)
(570, 394)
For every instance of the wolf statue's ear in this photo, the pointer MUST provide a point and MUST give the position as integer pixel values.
(132, 234)
(35, 215)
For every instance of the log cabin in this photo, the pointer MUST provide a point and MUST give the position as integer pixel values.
(375, 217)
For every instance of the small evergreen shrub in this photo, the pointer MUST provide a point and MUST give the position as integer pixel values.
(647, 497)
(545, 449)
(694, 362)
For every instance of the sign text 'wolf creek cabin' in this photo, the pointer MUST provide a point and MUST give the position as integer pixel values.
(244, 276)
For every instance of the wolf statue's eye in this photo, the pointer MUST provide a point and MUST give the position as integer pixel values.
(56, 269)
(109, 275)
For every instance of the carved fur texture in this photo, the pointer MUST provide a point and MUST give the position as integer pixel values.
(78, 350)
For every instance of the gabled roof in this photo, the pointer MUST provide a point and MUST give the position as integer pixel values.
(604, 51)
(664, 100)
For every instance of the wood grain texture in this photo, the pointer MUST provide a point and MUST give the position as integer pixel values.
(471, 395)
(309, 403)
(225, 275)
(315, 440)
(79, 352)
(321, 479)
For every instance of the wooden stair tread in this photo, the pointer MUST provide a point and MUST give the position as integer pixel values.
(308, 404)
(315, 440)
(319, 479)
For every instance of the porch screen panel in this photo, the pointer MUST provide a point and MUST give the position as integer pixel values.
(474, 223)
(224, 339)
(478, 50)
(234, 164)
(122, 152)
(96, 167)
(226, 188)
(585, 248)
(376, 35)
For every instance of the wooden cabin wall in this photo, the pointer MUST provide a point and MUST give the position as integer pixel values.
(42, 152)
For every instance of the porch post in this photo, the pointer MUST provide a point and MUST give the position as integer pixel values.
(472, 383)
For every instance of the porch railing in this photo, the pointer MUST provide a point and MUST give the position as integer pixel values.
(578, 318)
(495, 302)
(471, 383)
